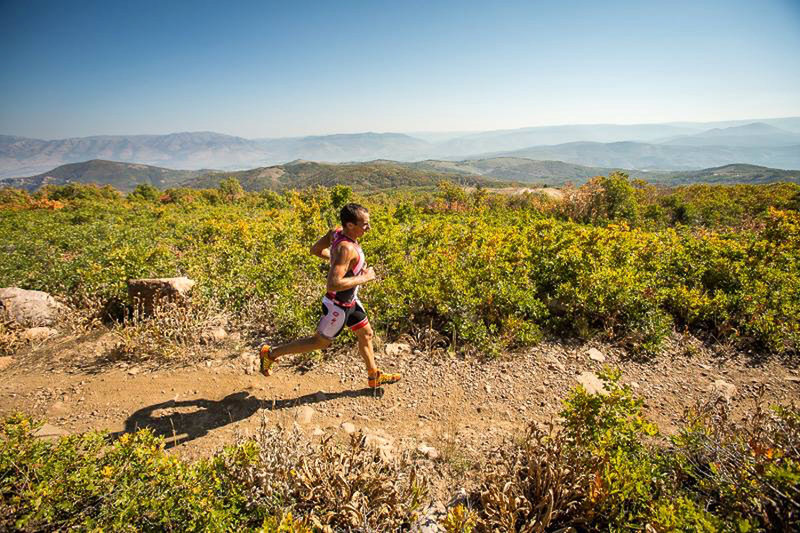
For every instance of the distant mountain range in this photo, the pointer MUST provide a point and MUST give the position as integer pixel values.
(382, 174)
(673, 146)
(296, 174)
(644, 156)
(361, 176)
(122, 176)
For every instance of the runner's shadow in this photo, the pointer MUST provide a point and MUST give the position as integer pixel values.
(183, 421)
(320, 396)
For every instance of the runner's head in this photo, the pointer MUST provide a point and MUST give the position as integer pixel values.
(354, 219)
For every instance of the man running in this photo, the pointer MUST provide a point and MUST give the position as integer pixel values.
(340, 305)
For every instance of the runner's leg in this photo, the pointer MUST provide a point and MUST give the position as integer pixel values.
(330, 324)
(364, 335)
(304, 345)
(358, 323)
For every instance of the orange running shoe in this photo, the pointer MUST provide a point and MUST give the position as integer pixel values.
(266, 360)
(380, 378)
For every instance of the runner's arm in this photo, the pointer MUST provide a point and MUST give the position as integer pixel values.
(340, 264)
(321, 248)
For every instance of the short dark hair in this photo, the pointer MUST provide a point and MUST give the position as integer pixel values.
(349, 213)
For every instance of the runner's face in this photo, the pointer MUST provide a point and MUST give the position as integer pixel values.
(362, 226)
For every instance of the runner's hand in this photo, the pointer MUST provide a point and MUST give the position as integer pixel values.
(369, 274)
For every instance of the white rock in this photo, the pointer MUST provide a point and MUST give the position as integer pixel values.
(29, 308)
(57, 409)
(317, 432)
(39, 333)
(724, 389)
(554, 364)
(348, 428)
(596, 355)
(376, 440)
(305, 414)
(397, 348)
(592, 383)
(49, 431)
(428, 451)
(214, 335)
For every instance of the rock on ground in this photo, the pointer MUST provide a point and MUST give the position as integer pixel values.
(39, 333)
(596, 355)
(29, 308)
(305, 414)
(397, 348)
(428, 451)
(49, 431)
(214, 335)
(147, 293)
(592, 383)
(723, 389)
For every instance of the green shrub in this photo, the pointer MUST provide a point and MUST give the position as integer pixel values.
(607, 469)
(131, 484)
(81, 481)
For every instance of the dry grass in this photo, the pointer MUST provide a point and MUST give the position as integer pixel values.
(10, 337)
(534, 487)
(172, 332)
(334, 487)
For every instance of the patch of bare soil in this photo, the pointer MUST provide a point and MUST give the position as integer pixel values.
(555, 194)
(452, 411)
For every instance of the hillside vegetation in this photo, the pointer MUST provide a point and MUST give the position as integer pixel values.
(382, 174)
(363, 176)
(620, 259)
(481, 275)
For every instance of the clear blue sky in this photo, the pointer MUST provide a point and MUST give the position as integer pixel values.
(261, 69)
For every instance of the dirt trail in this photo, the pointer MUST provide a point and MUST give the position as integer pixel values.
(461, 408)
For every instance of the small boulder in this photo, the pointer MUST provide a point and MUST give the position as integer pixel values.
(305, 414)
(383, 445)
(58, 409)
(29, 308)
(592, 383)
(723, 389)
(6, 361)
(214, 335)
(396, 349)
(147, 293)
(554, 364)
(38, 333)
(348, 428)
(428, 451)
(49, 431)
(596, 355)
